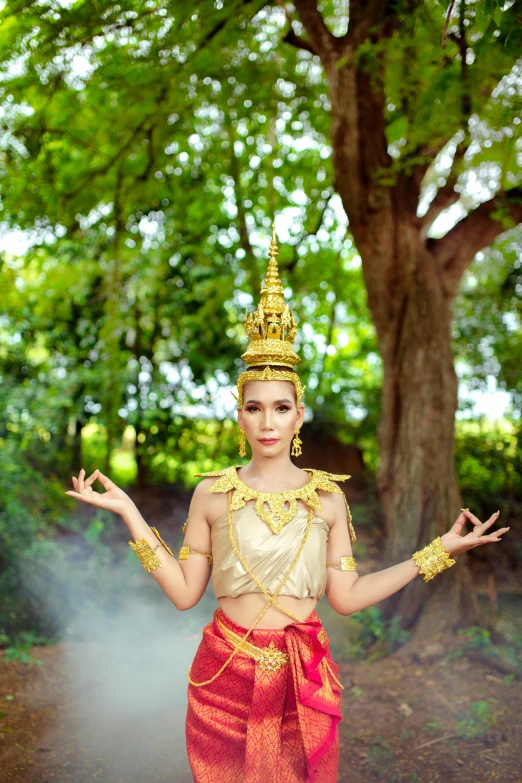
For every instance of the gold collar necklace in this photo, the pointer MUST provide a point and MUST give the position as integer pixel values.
(276, 517)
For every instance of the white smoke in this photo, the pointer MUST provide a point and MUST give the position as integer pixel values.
(126, 651)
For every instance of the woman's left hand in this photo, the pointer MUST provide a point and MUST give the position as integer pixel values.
(454, 542)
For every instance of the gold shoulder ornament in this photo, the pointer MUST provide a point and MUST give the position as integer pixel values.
(277, 515)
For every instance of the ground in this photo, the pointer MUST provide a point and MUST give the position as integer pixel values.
(400, 720)
(447, 710)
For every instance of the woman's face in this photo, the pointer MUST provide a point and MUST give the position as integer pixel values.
(269, 413)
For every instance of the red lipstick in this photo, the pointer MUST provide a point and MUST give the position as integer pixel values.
(268, 441)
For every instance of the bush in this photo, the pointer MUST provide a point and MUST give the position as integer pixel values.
(30, 514)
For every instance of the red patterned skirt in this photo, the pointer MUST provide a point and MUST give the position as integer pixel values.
(264, 722)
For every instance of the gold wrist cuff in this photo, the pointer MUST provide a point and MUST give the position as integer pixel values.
(185, 551)
(146, 554)
(432, 559)
(346, 564)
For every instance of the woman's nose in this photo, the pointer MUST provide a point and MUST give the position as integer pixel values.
(267, 420)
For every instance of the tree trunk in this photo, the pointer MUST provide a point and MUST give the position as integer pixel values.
(76, 455)
(416, 478)
(112, 331)
(411, 309)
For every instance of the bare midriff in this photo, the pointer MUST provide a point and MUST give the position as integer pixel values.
(244, 609)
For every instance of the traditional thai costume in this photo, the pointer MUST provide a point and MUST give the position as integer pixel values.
(264, 704)
(271, 714)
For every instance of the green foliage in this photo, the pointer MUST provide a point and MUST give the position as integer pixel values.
(146, 149)
(507, 652)
(476, 720)
(380, 756)
(487, 333)
(31, 514)
(489, 466)
(370, 630)
(20, 649)
(477, 638)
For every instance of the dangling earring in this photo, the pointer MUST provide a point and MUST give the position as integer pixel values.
(242, 449)
(296, 445)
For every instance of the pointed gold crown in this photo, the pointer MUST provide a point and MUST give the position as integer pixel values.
(272, 329)
(272, 326)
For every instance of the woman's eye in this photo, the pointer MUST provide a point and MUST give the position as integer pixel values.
(280, 408)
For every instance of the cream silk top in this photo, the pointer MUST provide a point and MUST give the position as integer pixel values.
(269, 556)
(268, 535)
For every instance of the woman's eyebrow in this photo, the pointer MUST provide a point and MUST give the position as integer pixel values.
(260, 403)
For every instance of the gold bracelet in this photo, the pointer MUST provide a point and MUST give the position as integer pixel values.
(185, 551)
(346, 564)
(146, 554)
(432, 559)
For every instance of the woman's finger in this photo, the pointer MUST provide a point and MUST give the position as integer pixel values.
(458, 525)
(91, 478)
(105, 480)
(472, 518)
(81, 476)
(78, 495)
(485, 525)
(488, 539)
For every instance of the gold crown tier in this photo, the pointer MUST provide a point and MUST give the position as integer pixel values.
(271, 352)
(272, 326)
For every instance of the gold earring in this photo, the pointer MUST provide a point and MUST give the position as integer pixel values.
(296, 445)
(242, 449)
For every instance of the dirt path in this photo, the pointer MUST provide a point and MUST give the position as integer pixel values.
(396, 713)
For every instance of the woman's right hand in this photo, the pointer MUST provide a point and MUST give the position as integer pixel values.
(113, 499)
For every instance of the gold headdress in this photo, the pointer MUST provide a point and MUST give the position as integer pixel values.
(272, 329)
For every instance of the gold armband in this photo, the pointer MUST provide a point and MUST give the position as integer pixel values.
(146, 554)
(346, 564)
(351, 529)
(432, 559)
(162, 541)
(185, 551)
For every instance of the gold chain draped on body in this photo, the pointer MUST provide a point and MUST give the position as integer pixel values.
(271, 597)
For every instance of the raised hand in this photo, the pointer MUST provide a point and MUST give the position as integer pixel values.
(113, 499)
(455, 543)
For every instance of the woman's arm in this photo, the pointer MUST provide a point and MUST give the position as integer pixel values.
(183, 582)
(369, 589)
(347, 592)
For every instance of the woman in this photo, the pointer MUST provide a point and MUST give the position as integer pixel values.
(264, 696)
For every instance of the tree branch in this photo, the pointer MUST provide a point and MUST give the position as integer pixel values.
(446, 195)
(322, 40)
(364, 16)
(456, 250)
(291, 36)
(300, 43)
